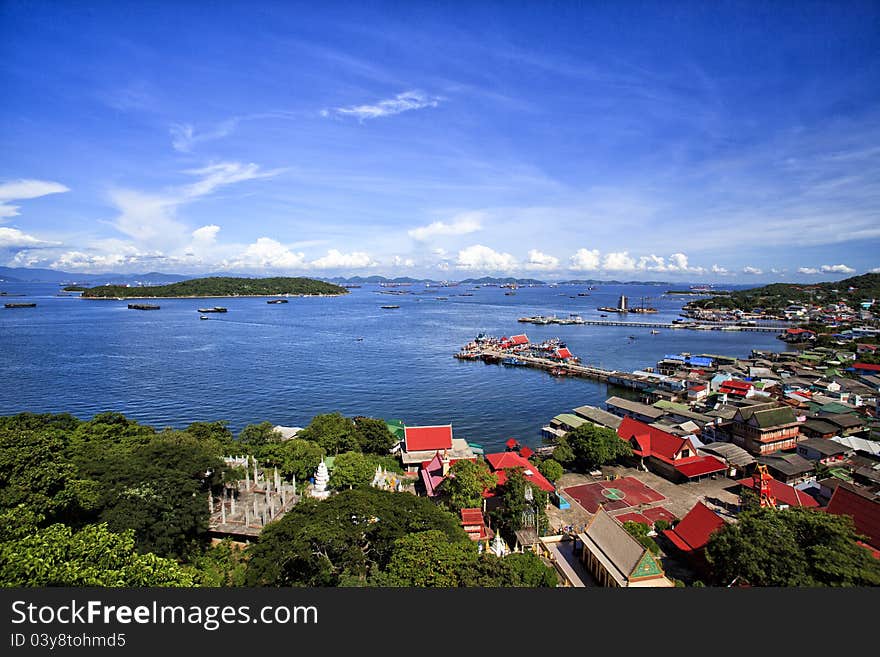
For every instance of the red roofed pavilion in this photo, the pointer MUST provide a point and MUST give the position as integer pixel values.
(692, 533)
(501, 461)
(783, 493)
(862, 507)
(427, 438)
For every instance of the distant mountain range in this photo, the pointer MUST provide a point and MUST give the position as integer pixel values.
(27, 275)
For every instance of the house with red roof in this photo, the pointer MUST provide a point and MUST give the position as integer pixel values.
(563, 354)
(691, 535)
(420, 444)
(786, 496)
(737, 388)
(514, 341)
(474, 523)
(863, 506)
(433, 473)
(501, 462)
(673, 457)
(867, 368)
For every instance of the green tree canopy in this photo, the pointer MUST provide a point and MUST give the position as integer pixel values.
(293, 457)
(256, 435)
(594, 446)
(791, 547)
(333, 432)
(464, 484)
(430, 559)
(352, 470)
(58, 555)
(372, 436)
(552, 469)
(345, 538)
(159, 491)
(514, 506)
(563, 453)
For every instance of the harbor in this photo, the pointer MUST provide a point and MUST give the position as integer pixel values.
(675, 324)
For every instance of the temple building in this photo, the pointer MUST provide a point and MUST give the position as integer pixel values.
(615, 558)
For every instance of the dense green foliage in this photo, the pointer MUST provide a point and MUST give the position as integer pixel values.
(431, 559)
(373, 436)
(465, 483)
(594, 446)
(352, 470)
(334, 432)
(639, 531)
(58, 555)
(779, 295)
(515, 508)
(219, 286)
(344, 538)
(552, 469)
(112, 470)
(563, 453)
(791, 547)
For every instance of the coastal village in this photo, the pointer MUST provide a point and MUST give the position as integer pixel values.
(708, 435)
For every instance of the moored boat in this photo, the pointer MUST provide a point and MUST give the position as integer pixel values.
(215, 309)
(20, 305)
(143, 306)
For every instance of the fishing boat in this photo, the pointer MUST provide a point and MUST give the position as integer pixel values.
(203, 317)
(215, 309)
(20, 305)
(277, 301)
(654, 331)
(142, 306)
(389, 307)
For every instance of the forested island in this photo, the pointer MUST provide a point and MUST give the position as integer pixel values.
(219, 286)
(777, 296)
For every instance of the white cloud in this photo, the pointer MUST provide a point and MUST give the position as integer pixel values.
(398, 261)
(337, 260)
(267, 253)
(403, 102)
(12, 238)
(184, 135)
(17, 190)
(716, 269)
(754, 271)
(837, 269)
(620, 261)
(585, 260)
(482, 258)
(468, 222)
(876, 270)
(807, 270)
(151, 219)
(541, 261)
(206, 234)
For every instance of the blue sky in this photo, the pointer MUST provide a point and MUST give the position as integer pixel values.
(735, 142)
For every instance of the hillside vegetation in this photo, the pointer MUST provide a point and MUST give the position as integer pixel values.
(851, 291)
(220, 287)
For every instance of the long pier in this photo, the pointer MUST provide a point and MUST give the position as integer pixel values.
(653, 325)
(497, 356)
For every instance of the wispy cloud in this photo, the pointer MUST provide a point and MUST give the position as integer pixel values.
(403, 102)
(752, 271)
(23, 189)
(468, 222)
(184, 135)
(807, 270)
(12, 238)
(151, 218)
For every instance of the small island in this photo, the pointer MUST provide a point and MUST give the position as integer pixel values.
(219, 286)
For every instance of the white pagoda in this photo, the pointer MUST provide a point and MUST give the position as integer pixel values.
(322, 476)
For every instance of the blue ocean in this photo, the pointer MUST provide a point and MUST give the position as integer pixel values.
(285, 363)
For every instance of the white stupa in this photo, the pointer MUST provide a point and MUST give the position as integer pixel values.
(499, 547)
(322, 476)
